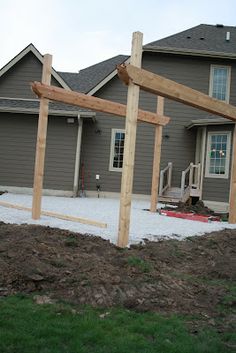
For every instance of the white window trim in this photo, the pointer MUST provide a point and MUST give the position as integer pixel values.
(228, 81)
(113, 134)
(220, 176)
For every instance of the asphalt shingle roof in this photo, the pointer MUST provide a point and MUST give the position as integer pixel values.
(202, 38)
(32, 106)
(90, 77)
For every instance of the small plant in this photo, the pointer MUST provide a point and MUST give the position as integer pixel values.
(71, 241)
(141, 264)
(57, 263)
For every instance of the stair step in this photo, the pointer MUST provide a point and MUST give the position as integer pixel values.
(174, 195)
(168, 199)
(173, 192)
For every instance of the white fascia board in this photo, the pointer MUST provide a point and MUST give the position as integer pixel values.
(105, 80)
(193, 52)
(31, 48)
(205, 122)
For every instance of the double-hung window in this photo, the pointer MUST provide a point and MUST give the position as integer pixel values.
(218, 154)
(220, 82)
(117, 149)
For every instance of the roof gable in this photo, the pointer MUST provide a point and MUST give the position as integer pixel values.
(200, 39)
(92, 78)
(31, 48)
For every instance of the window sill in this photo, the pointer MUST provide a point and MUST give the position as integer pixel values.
(217, 176)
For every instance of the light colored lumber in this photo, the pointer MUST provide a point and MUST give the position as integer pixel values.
(94, 103)
(129, 147)
(156, 84)
(41, 141)
(57, 215)
(156, 158)
(203, 151)
(232, 196)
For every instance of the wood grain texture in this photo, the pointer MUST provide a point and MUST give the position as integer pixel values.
(129, 147)
(170, 89)
(94, 103)
(56, 215)
(41, 141)
(156, 158)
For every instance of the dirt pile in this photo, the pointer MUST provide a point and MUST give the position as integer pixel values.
(188, 277)
(199, 208)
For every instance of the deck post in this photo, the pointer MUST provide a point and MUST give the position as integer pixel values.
(232, 196)
(156, 157)
(129, 147)
(41, 140)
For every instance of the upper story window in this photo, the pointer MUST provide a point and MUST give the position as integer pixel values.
(218, 154)
(220, 82)
(117, 149)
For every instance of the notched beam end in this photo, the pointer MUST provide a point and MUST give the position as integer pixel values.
(34, 88)
(122, 74)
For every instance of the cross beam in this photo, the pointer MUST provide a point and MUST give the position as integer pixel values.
(164, 87)
(94, 103)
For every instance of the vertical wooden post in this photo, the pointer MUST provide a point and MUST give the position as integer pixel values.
(202, 160)
(232, 197)
(129, 148)
(41, 141)
(156, 157)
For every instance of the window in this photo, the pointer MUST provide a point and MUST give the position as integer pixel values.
(220, 82)
(218, 154)
(117, 149)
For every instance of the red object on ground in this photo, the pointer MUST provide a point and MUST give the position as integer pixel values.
(190, 216)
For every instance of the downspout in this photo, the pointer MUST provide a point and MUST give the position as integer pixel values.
(77, 157)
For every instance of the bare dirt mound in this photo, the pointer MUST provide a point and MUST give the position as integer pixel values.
(170, 276)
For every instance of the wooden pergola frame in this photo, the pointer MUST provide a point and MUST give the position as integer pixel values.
(135, 78)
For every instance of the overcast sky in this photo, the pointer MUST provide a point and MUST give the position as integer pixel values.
(83, 32)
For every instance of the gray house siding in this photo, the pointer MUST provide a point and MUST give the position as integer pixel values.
(178, 144)
(216, 189)
(18, 131)
(18, 135)
(16, 81)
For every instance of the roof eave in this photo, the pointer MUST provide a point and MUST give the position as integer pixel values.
(191, 52)
(206, 122)
(31, 48)
(62, 113)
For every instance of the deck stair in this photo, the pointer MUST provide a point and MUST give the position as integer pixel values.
(190, 184)
(172, 194)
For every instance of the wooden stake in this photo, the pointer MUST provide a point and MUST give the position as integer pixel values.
(129, 148)
(101, 105)
(232, 196)
(57, 215)
(156, 158)
(41, 141)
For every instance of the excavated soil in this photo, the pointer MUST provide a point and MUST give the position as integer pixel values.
(199, 208)
(186, 277)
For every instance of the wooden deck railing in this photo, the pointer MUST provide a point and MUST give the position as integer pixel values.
(190, 178)
(165, 178)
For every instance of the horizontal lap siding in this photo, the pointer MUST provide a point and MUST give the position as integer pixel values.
(217, 189)
(178, 145)
(18, 135)
(179, 148)
(15, 83)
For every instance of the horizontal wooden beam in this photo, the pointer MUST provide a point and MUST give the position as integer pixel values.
(56, 215)
(94, 103)
(164, 87)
